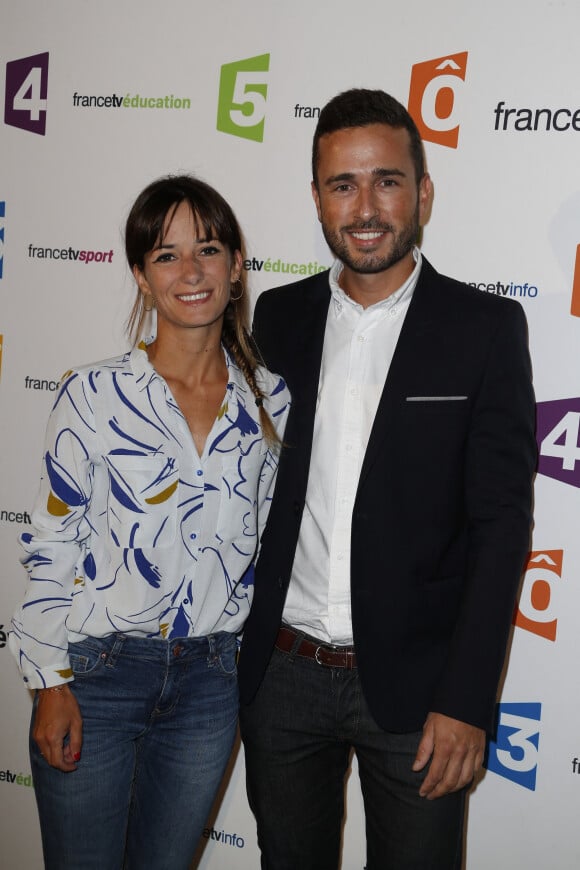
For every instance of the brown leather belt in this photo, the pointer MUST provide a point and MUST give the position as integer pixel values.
(323, 654)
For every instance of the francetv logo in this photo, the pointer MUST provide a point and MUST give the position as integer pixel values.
(435, 96)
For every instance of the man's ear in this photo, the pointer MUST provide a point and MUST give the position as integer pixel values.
(425, 199)
(316, 198)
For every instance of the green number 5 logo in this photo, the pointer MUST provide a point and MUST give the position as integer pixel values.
(242, 97)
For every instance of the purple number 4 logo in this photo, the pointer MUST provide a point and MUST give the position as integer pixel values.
(558, 431)
(26, 93)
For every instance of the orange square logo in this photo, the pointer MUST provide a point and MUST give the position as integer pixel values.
(538, 605)
(434, 95)
(575, 304)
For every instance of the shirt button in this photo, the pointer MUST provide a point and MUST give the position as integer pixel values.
(361, 338)
(193, 536)
(199, 472)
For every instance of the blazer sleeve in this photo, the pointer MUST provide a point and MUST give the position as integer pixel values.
(500, 461)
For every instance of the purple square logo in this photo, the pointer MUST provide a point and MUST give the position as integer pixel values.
(26, 93)
(558, 428)
(2, 215)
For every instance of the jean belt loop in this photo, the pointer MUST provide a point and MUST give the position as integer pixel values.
(116, 648)
(211, 651)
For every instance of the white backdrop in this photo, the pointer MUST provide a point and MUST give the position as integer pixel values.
(99, 99)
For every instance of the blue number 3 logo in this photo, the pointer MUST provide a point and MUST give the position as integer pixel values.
(514, 755)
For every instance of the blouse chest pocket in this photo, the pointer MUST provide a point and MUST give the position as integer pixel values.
(239, 494)
(142, 500)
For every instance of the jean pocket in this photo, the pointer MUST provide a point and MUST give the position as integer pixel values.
(227, 657)
(86, 656)
(142, 500)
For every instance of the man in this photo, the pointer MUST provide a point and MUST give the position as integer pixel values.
(401, 519)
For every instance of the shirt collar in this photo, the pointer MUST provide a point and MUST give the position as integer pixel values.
(141, 367)
(340, 298)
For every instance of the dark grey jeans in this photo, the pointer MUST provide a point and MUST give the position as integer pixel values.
(298, 736)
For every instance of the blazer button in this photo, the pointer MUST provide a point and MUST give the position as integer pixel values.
(281, 583)
(297, 506)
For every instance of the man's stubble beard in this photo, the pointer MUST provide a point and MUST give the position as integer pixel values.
(370, 264)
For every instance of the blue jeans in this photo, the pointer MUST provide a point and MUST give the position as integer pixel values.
(159, 721)
(298, 736)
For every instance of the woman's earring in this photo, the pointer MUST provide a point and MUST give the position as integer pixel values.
(241, 293)
(148, 296)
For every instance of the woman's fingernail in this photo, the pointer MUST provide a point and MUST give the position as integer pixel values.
(77, 756)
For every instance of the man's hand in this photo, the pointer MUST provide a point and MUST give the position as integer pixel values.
(58, 715)
(456, 752)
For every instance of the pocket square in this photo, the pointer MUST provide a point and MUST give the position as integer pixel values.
(436, 398)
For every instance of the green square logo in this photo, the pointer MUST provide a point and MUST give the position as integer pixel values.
(242, 97)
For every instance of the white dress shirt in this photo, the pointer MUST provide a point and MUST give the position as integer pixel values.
(133, 531)
(359, 344)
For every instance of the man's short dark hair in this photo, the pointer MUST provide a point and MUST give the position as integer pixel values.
(360, 107)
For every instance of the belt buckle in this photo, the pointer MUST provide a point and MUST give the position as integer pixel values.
(316, 659)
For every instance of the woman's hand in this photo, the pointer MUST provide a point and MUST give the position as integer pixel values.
(58, 715)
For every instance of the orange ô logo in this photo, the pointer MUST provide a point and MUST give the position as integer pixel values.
(434, 94)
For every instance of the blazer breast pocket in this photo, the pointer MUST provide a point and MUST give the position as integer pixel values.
(437, 404)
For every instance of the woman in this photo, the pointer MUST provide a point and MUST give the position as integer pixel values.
(157, 473)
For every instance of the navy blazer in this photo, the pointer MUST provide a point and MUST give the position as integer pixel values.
(442, 516)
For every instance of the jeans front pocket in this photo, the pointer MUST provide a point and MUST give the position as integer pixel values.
(86, 656)
(225, 653)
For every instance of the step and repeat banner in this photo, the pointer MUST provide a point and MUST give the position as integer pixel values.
(100, 99)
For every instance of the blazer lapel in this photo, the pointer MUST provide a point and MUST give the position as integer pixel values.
(305, 365)
(420, 317)
(311, 340)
